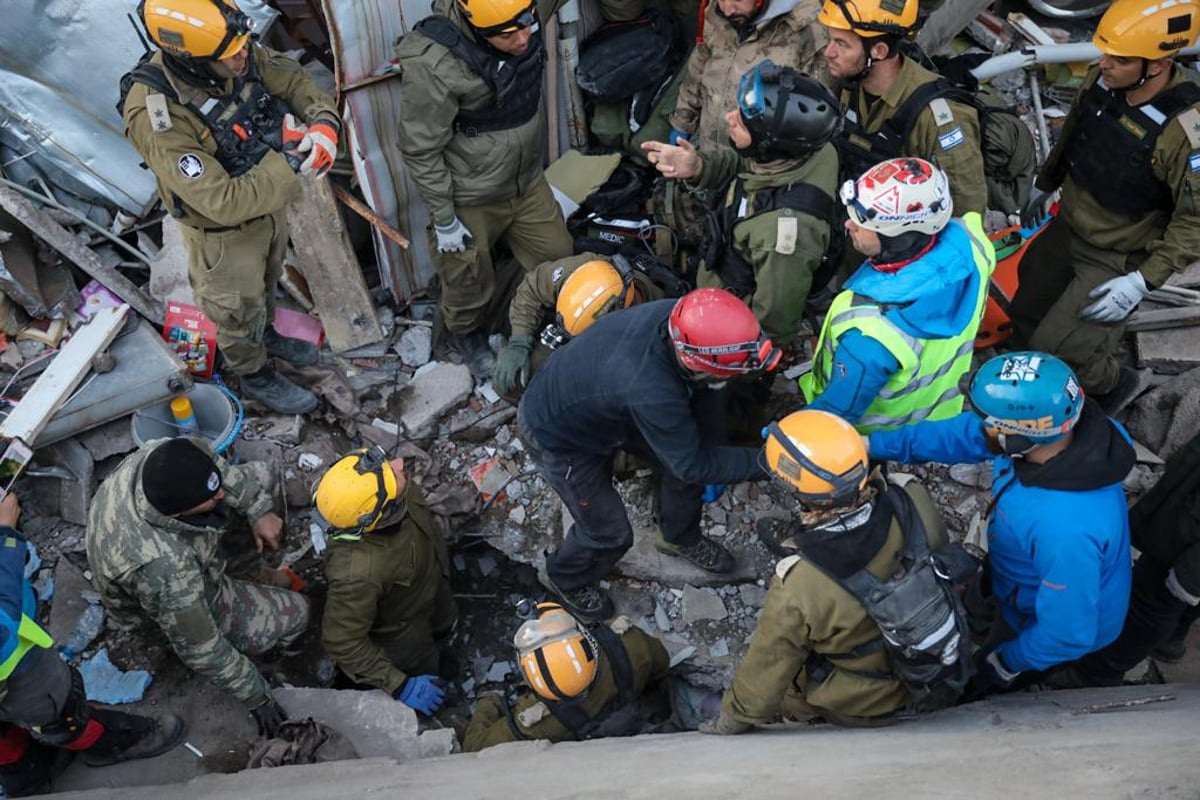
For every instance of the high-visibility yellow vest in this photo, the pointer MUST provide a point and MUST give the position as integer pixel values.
(29, 636)
(925, 387)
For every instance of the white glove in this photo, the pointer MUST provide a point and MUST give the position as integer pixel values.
(452, 238)
(1115, 298)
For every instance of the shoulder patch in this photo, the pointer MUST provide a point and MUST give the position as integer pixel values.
(785, 566)
(942, 114)
(787, 230)
(1190, 120)
(160, 115)
(952, 138)
(557, 276)
(1194, 163)
(191, 166)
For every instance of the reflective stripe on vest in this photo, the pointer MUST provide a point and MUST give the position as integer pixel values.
(926, 384)
(29, 636)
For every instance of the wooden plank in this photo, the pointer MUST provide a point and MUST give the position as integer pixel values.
(331, 268)
(68, 369)
(1159, 319)
(79, 254)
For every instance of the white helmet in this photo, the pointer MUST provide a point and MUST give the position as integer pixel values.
(898, 196)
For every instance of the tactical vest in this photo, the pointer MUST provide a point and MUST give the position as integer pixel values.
(1112, 145)
(737, 273)
(516, 83)
(926, 384)
(245, 125)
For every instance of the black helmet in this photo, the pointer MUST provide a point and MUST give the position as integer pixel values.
(788, 114)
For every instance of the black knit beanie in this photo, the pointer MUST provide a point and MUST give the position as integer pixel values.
(178, 476)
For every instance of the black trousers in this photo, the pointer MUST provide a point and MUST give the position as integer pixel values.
(601, 532)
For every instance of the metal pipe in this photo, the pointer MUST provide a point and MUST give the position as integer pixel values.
(1039, 117)
(568, 50)
(1046, 54)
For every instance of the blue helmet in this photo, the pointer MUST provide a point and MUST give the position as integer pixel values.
(1030, 398)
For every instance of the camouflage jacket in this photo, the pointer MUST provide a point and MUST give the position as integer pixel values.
(169, 570)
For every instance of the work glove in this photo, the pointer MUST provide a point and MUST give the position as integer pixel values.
(723, 726)
(676, 135)
(1034, 210)
(452, 238)
(422, 693)
(1115, 298)
(512, 361)
(320, 142)
(712, 492)
(990, 675)
(291, 135)
(269, 716)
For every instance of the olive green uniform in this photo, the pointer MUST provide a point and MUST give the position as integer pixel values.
(785, 32)
(648, 660)
(784, 246)
(946, 133)
(493, 181)
(1088, 244)
(235, 229)
(807, 614)
(389, 599)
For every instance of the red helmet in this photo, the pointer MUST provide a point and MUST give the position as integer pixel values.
(715, 333)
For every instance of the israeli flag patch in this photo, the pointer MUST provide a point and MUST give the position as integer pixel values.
(953, 139)
(1194, 162)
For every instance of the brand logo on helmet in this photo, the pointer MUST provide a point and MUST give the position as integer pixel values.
(191, 166)
(1020, 368)
(1072, 388)
(1171, 45)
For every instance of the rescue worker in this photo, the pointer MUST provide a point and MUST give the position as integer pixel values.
(560, 300)
(389, 611)
(154, 543)
(1165, 529)
(735, 35)
(43, 705)
(1058, 537)
(472, 131)
(779, 182)
(900, 334)
(813, 653)
(583, 681)
(1126, 224)
(218, 118)
(876, 80)
(646, 381)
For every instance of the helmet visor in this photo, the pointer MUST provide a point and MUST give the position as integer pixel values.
(844, 486)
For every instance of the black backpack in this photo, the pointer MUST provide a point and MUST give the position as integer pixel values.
(921, 619)
(623, 58)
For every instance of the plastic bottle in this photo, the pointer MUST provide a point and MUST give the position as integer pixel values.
(185, 417)
(85, 632)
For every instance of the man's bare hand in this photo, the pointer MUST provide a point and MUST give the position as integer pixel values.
(10, 510)
(268, 530)
(674, 160)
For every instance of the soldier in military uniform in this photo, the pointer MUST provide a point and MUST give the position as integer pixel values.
(154, 543)
(561, 299)
(472, 131)
(584, 682)
(876, 80)
(389, 612)
(1126, 223)
(211, 114)
(813, 653)
(737, 35)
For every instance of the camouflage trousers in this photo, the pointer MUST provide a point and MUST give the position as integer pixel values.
(255, 618)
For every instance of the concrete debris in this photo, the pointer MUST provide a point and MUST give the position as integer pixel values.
(498, 672)
(661, 618)
(682, 655)
(487, 565)
(1167, 417)
(435, 389)
(310, 462)
(110, 439)
(517, 514)
(415, 346)
(751, 596)
(699, 604)
(719, 649)
(977, 476)
(66, 610)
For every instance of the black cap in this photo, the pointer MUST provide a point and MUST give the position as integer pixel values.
(178, 475)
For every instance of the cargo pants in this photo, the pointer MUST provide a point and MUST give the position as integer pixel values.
(256, 618)
(233, 272)
(472, 283)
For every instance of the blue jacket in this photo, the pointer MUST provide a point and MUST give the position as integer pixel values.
(1058, 538)
(931, 298)
(16, 595)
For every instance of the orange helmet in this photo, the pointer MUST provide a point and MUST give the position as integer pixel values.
(493, 17)
(818, 454)
(203, 30)
(589, 293)
(1143, 29)
(557, 657)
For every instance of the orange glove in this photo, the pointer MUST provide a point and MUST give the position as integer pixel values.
(320, 142)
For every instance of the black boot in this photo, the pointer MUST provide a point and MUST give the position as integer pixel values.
(475, 353)
(34, 771)
(276, 392)
(128, 736)
(291, 350)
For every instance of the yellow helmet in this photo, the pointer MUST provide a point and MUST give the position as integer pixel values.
(557, 657)
(589, 293)
(492, 17)
(205, 30)
(1147, 29)
(818, 454)
(870, 17)
(354, 492)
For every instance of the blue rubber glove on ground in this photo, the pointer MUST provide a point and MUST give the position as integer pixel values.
(712, 492)
(422, 693)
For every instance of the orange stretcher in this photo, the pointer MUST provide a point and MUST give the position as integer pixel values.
(1010, 244)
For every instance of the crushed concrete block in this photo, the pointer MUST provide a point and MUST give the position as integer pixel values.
(661, 618)
(517, 515)
(110, 439)
(309, 462)
(415, 346)
(700, 604)
(1168, 417)
(70, 604)
(435, 389)
(977, 476)
(498, 672)
(752, 596)
(718, 649)
(74, 495)
(681, 655)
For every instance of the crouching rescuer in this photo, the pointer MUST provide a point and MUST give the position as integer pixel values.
(864, 620)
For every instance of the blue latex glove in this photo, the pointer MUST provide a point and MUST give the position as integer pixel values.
(712, 492)
(422, 693)
(676, 136)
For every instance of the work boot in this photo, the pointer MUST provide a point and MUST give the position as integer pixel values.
(292, 350)
(276, 392)
(590, 603)
(705, 554)
(129, 736)
(34, 770)
(1123, 391)
(476, 354)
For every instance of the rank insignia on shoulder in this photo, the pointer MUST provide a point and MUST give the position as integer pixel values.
(1194, 162)
(953, 138)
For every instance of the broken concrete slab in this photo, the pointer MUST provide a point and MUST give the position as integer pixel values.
(435, 389)
(110, 439)
(282, 428)
(375, 724)
(1167, 417)
(701, 604)
(1172, 351)
(644, 562)
(1145, 455)
(415, 346)
(169, 267)
(74, 494)
(68, 605)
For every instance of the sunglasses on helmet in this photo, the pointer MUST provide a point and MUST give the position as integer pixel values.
(526, 19)
(761, 354)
